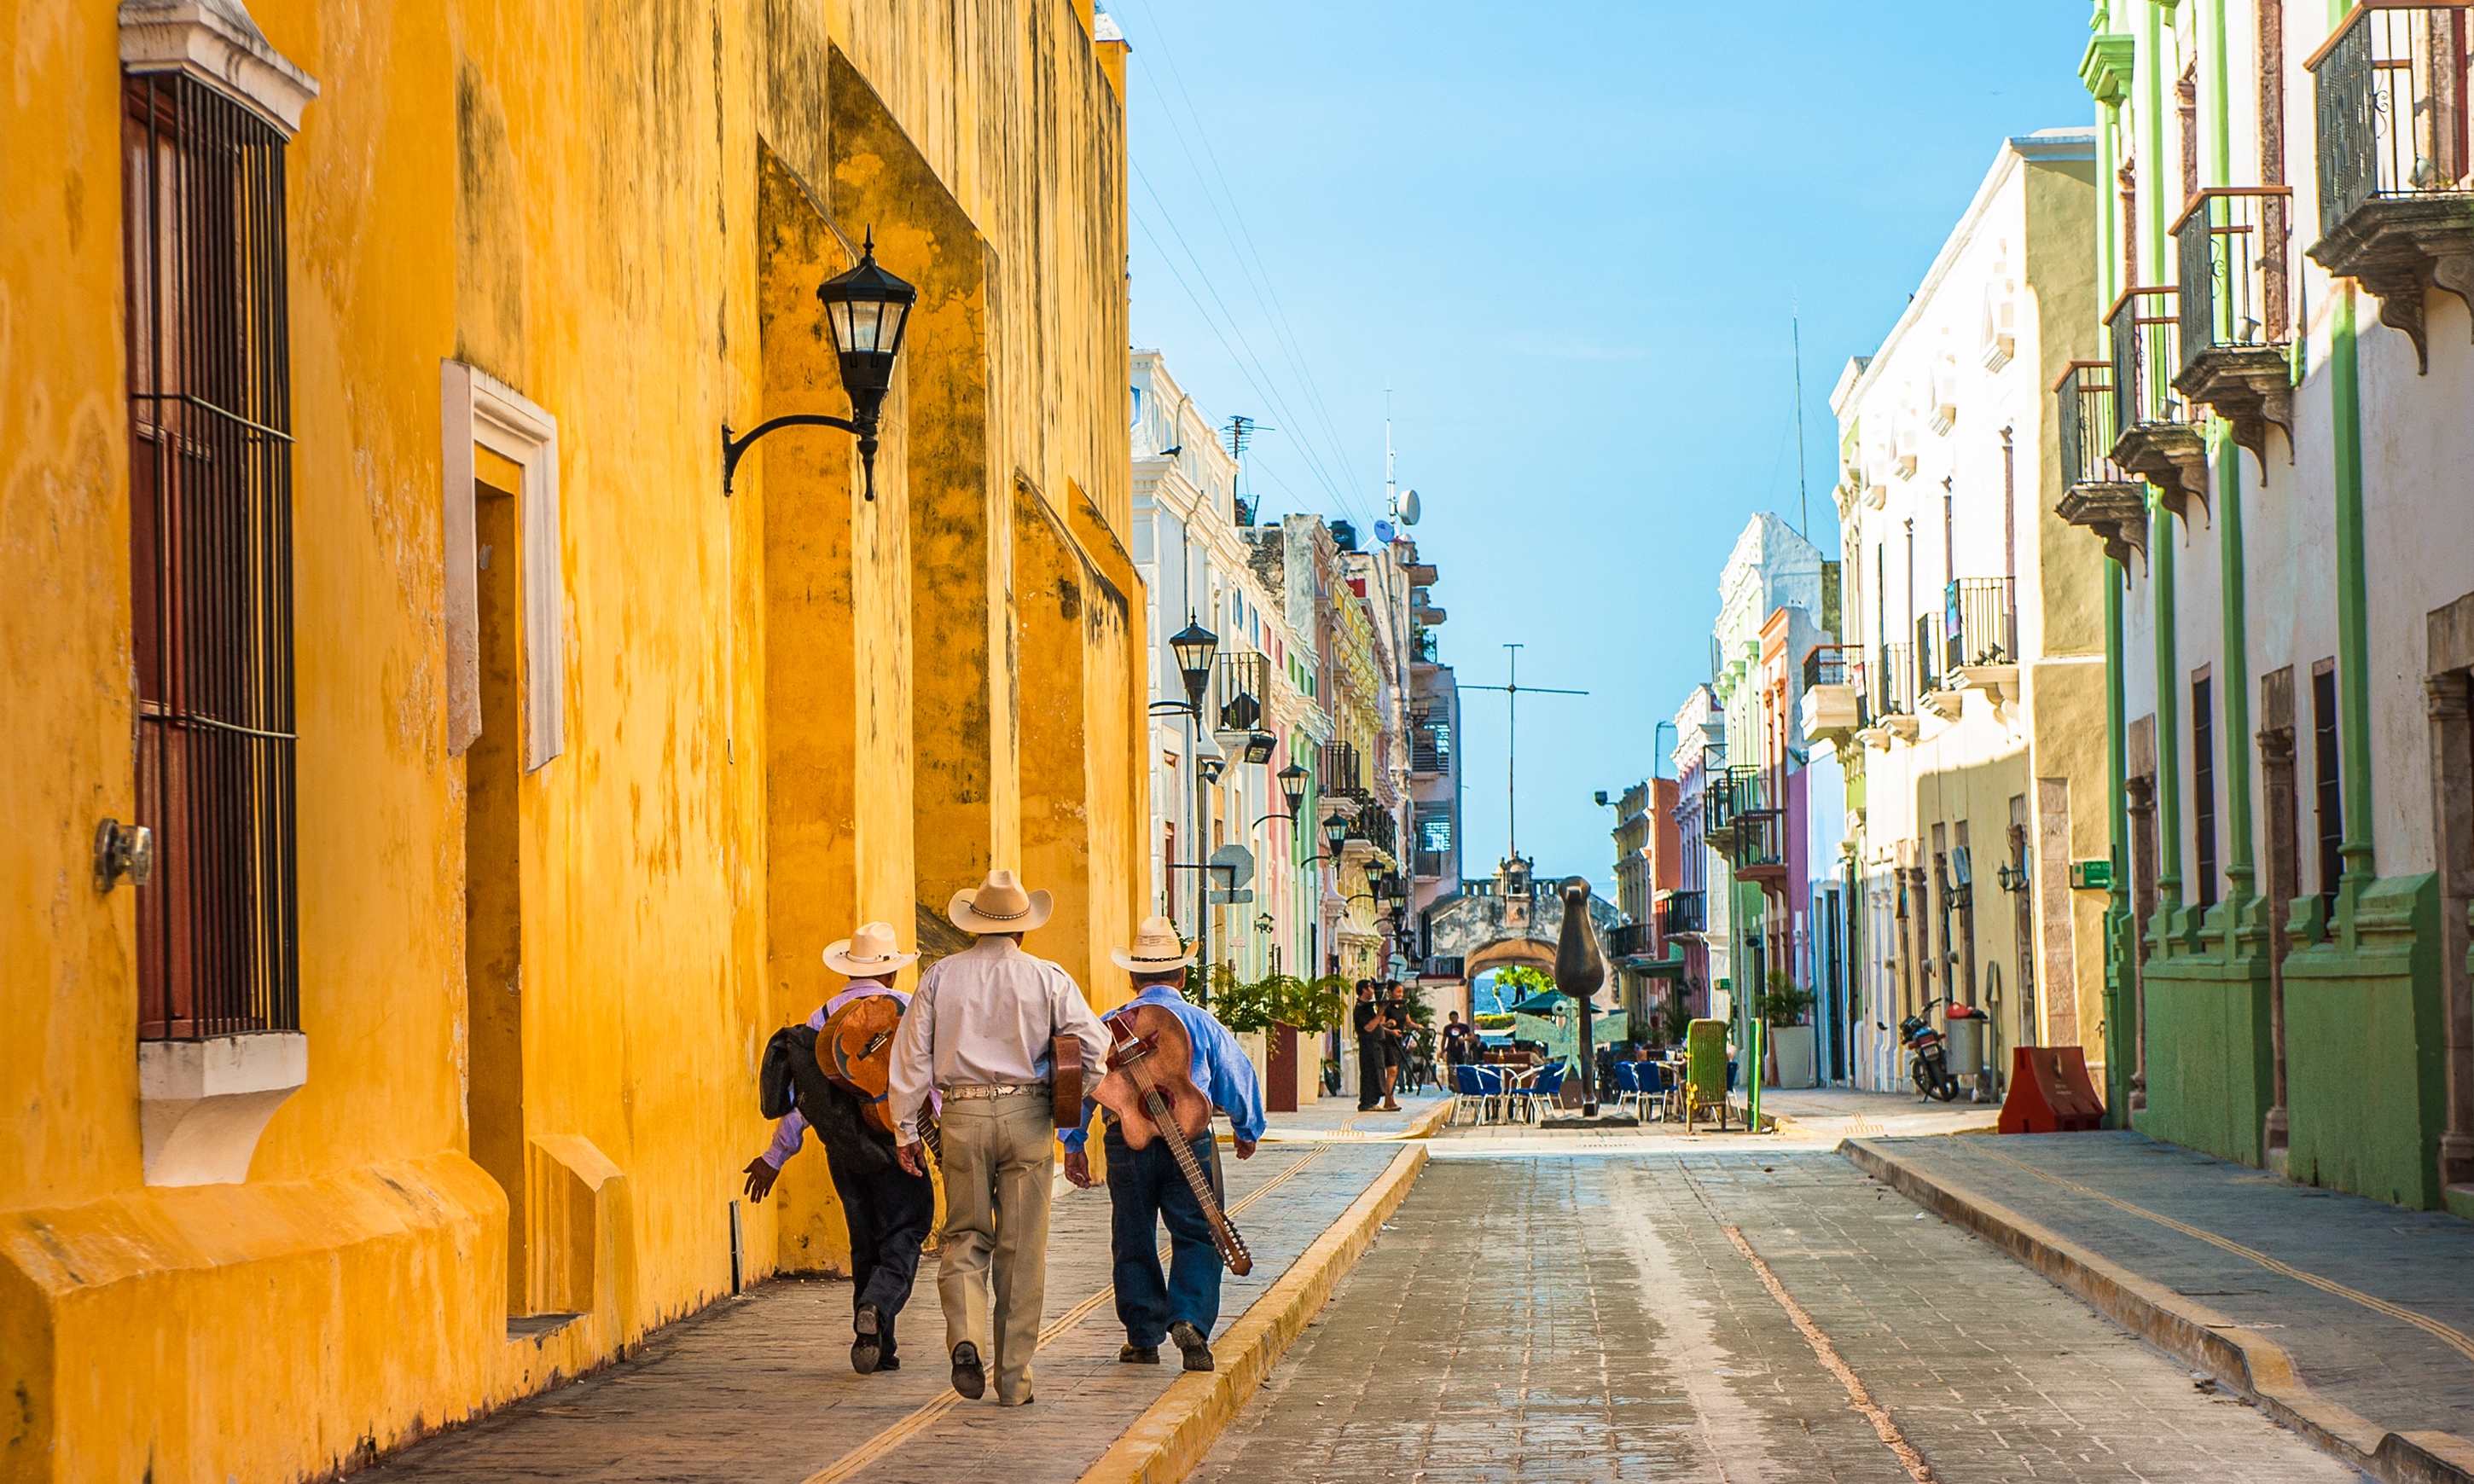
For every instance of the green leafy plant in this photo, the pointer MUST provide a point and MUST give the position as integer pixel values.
(1255, 1005)
(1785, 1002)
(1675, 1015)
(1519, 982)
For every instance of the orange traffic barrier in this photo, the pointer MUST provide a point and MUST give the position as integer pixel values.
(2049, 1092)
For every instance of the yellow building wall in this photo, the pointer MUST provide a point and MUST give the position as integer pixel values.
(787, 711)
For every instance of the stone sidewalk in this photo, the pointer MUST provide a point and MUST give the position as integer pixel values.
(2352, 1319)
(759, 1388)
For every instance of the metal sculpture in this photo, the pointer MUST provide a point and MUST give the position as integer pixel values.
(1580, 971)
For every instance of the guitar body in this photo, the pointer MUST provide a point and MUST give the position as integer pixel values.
(856, 1050)
(1149, 1086)
(1167, 1052)
(1065, 1102)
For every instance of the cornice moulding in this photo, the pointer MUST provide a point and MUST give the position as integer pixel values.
(216, 42)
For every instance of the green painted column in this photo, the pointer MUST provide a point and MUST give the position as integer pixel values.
(2169, 724)
(2120, 956)
(2233, 685)
(2353, 620)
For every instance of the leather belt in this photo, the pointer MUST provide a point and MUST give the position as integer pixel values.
(968, 1090)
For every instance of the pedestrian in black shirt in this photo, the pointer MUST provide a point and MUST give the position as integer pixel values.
(1373, 1054)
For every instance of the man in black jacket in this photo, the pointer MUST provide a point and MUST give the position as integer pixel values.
(887, 1208)
(1374, 1047)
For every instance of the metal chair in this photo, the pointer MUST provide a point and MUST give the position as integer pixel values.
(1468, 1092)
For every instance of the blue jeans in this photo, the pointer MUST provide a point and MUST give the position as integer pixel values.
(1143, 1189)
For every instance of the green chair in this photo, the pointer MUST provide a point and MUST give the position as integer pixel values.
(1705, 1079)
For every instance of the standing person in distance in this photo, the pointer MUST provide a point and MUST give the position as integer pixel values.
(1144, 1186)
(978, 1033)
(887, 1208)
(1399, 1035)
(1458, 1040)
(1373, 1052)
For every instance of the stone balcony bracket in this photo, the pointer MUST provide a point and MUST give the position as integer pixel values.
(203, 1104)
(2000, 682)
(2250, 387)
(2171, 456)
(1944, 704)
(1902, 726)
(2391, 244)
(2118, 514)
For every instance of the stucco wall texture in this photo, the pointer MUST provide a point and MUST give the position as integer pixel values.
(787, 711)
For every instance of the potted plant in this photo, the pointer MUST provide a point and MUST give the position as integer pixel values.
(1783, 1009)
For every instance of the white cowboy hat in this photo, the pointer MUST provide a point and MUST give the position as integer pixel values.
(868, 952)
(1155, 951)
(998, 906)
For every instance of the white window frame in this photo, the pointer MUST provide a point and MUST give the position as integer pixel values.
(477, 408)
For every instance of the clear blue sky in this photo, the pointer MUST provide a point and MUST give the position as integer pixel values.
(1571, 238)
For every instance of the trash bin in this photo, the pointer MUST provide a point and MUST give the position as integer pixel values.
(1963, 1028)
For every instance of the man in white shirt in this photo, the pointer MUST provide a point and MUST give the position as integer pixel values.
(978, 1031)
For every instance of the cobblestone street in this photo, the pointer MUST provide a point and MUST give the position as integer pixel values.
(1587, 1317)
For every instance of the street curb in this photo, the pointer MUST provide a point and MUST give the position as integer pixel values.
(1429, 1122)
(1172, 1435)
(2193, 1334)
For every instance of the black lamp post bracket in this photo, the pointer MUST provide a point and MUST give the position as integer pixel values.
(734, 450)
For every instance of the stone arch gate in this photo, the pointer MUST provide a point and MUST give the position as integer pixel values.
(1512, 919)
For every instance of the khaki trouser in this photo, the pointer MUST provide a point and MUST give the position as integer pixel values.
(999, 1160)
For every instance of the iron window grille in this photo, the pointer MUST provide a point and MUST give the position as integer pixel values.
(210, 559)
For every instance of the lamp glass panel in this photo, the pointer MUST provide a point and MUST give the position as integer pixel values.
(839, 311)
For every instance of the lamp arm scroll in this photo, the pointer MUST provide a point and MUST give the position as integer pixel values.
(734, 450)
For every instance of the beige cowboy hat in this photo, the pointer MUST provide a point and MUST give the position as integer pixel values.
(1156, 949)
(870, 951)
(1000, 905)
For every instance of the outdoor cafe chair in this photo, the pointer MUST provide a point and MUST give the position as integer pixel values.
(1627, 1084)
(1541, 1089)
(1469, 1092)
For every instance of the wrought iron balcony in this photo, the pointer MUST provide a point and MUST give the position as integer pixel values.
(1344, 773)
(1430, 746)
(1442, 967)
(2233, 248)
(1979, 622)
(2157, 436)
(1631, 940)
(2097, 494)
(1834, 692)
(1894, 681)
(2396, 185)
(1377, 828)
(1681, 915)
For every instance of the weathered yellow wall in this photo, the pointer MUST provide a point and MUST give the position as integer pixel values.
(787, 711)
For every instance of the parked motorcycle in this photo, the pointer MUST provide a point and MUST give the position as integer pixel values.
(1931, 1065)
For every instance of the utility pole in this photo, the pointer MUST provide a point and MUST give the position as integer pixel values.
(1513, 688)
(1802, 506)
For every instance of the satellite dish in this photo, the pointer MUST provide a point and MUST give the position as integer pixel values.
(1383, 532)
(1409, 509)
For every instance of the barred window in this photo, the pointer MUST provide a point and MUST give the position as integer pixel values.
(210, 559)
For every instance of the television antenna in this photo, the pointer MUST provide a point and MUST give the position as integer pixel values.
(1513, 690)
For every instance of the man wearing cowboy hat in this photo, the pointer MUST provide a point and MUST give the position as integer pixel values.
(1146, 1187)
(979, 1032)
(888, 1208)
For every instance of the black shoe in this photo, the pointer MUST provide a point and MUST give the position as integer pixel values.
(1192, 1344)
(1138, 1355)
(867, 1351)
(889, 1363)
(970, 1378)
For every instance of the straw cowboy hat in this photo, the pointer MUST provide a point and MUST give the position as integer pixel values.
(1155, 951)
(998, 906)
(870, 951)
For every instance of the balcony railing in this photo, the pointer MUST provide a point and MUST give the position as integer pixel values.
(2088, 429)
(1826, 665)
(1442, 967)
(2144, 329)
(1244, 684)
(2232, 248)
(1894, 681)
(1631, 940)
(1425, 647)
(1682, 913)
(1344, 773)
(2396, 172)
(2391, 107)
(1430, 747)
(1377, 828)
(1981, 623)
(1928, 654)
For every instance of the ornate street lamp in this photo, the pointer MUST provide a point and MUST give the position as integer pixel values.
(1193, 646)
(1292, 787)
(867, 309)
(1335, 829)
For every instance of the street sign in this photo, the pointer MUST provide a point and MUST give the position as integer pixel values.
(2090, 876)
(1232, 864)
(1236, 898)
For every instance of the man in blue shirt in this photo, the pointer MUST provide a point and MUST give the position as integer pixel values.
(1146, 1187)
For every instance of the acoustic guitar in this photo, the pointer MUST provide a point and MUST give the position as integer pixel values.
(1149, 1086)
(856, 1050)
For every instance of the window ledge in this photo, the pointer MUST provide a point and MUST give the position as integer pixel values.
(216, 42)
(203, 1104)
